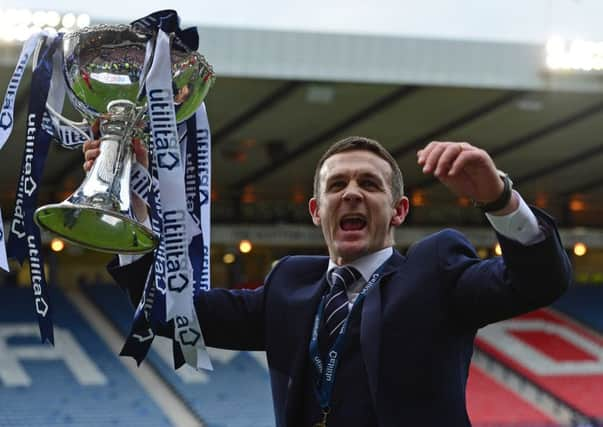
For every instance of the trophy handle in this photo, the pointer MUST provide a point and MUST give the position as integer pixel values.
(58, 116)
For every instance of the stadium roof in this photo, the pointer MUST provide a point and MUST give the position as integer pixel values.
(282, 97)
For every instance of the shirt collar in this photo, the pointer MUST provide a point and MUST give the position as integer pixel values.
(367, 264)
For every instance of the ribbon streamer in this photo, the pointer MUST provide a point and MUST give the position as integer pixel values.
(175, 215)
(176, 267)
(24, 240)
(3, 257)
(7, 115)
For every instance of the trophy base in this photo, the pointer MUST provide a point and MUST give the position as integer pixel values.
(96, 229)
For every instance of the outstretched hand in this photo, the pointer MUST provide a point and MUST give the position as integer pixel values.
(468, 171)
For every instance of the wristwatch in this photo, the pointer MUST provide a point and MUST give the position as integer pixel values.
(502, 200)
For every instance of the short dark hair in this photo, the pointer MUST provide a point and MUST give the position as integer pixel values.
(361, 143)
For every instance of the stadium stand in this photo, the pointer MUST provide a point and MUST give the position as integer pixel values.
(75, 382)
(488, 403)
(556, 354)
(71, 384)
(235, 394)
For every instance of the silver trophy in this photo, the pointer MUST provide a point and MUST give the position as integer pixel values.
(104, 70)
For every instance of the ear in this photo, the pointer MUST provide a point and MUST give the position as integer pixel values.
(313, 208)
(400, 211)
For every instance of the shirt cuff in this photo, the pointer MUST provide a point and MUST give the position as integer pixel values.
(125, 259)
(520, 225)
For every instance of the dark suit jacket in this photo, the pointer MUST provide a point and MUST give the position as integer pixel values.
(417, 327)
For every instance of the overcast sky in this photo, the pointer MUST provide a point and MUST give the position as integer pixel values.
(510, 20)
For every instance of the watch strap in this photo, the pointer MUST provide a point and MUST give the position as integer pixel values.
(502, 200)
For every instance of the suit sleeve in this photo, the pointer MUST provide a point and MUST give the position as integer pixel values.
(230, 319)
(131, 277)
(524, 279)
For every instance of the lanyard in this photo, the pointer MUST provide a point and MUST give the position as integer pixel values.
(325, 369)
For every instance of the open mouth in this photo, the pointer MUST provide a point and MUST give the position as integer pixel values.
(352, 223)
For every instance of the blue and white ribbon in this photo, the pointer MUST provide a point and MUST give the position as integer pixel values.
(195, 146)
(24, 239)
(7, 115)
(141, 183)
(54, 97)
(173, 269)
(8, 105)
(198, 194)
(3, 257)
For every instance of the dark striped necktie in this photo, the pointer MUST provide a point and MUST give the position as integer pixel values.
(336, 307)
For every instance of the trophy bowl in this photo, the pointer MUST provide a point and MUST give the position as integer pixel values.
(105, 67)
(106, 63)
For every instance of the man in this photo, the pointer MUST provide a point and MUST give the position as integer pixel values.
(396, 351)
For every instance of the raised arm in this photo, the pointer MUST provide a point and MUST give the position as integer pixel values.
(534, 269)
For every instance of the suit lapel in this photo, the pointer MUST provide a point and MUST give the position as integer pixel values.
(306, 301)
(370, 325)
